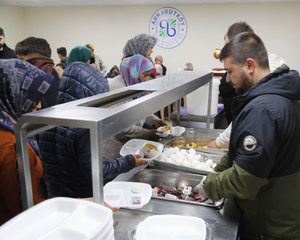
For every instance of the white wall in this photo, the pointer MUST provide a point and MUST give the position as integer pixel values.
(12, 22)
(108, 29)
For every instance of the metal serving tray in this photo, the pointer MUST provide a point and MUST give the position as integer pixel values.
(173, 167)
(198, 141)
(173, 179)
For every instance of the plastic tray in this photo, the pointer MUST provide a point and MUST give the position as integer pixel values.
(171, 227)
(137, 146)
(59, 218)
(120, 194)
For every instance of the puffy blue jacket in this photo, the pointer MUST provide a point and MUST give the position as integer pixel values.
(66, 153)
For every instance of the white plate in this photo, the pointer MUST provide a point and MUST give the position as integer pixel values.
(171, 227)
(137, 146)
(59, 218)
(120, 194)
(174, 131)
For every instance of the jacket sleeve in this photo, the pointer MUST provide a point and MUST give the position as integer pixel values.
(233, 182)
(151, 120)
(222, 140)
(110, 168)
(222, 165)
(255, 148)
(135, 131)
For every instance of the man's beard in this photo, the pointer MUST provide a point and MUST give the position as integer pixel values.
(245, 84)
(1, 45)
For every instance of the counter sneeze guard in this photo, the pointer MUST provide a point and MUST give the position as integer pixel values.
(105, 115)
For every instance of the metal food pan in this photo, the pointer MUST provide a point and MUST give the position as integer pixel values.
(198, 141)
(173, 179)
(173, 167)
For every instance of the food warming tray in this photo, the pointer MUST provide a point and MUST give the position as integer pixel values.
(198, 141)
(173, 179)
(166, 166)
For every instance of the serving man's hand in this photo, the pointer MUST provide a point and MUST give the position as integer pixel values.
(160, 123)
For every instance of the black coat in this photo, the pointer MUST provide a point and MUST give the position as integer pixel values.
(7, 53)
(49, 99)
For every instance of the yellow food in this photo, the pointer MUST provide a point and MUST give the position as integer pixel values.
(151, 146)
(167, 128)
(188, 145)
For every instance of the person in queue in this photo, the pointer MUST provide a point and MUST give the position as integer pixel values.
(62, 54)
(262, 170)
(134, 70)
(141, 44)
(227, 91)
(66, 151)
(80, 54)
(60, 69)
(159, 60)
(114, 71)
(37, 51)
(5, 51)
(19, 94)
(98, 61)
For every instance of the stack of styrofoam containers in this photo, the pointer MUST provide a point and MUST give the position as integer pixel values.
(61, 219)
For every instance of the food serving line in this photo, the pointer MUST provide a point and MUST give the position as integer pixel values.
(108, 114)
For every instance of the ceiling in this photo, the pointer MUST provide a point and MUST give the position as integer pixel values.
(69, 3)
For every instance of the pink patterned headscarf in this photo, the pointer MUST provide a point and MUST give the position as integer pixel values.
(132, 67)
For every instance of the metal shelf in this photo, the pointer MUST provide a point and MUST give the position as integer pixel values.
(105, 115)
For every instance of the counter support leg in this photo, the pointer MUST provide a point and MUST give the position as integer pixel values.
(209, 103)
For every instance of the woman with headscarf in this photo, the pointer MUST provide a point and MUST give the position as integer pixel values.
(141, 44)
(134, 70)
(80, 54)
(66, 151)
(159, 60)
(22, 87)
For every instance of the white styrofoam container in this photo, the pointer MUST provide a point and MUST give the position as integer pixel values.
(59, 219)
(119, 194)
(137, 146)
(171, 227)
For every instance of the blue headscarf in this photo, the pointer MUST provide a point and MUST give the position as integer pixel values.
(22, 87)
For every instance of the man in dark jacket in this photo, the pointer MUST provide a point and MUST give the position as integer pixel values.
(66, 151)
(37, 51)
(263, 168)
(5, 51)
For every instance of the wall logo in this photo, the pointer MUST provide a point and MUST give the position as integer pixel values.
(169, 26)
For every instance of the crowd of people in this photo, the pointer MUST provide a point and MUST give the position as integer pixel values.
(261, 170)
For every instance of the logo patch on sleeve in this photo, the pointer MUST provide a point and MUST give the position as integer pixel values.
(250, 143)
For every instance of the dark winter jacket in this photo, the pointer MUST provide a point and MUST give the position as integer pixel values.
(7, 53)
(50, 98)
(113, 74)
(66, 153)
(263, 166)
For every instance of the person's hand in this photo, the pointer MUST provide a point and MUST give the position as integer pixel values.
(90, 199)
(160, 123)
(153, 135)
(213, 144)
(111, 208)
(139, 161)
(200, 188)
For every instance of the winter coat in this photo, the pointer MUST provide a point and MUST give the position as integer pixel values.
(66, 151)
(7, 53)
(263, 167)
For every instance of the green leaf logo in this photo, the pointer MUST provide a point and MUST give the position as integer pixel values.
(163, 32)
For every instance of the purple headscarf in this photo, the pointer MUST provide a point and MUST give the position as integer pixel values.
(132, 67)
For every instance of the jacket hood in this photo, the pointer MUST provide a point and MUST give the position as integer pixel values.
(283, 82)
(80, 80)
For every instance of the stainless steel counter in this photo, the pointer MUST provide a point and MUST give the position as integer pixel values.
(224, 222)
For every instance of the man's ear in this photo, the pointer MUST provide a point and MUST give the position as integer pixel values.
(250, 63)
